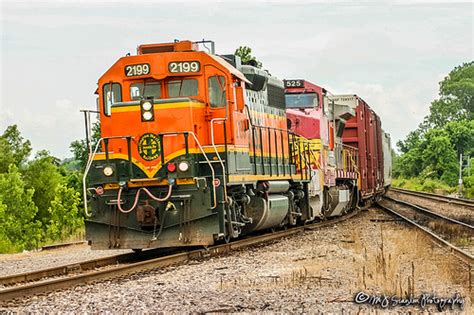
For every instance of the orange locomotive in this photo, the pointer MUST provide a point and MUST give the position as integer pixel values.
(194, 149)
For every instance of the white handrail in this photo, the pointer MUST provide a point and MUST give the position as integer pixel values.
(86, 171)
(91, 159)
(210, 165)
(218, 156)
(207, 160)
(88, 166)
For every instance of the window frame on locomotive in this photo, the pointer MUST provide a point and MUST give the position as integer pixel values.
(107, 108)
(164, 87)
(314, 106)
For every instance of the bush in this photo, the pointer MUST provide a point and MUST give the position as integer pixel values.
(468, 191)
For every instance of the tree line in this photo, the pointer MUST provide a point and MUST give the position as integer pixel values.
(429, 156)
(40, 198)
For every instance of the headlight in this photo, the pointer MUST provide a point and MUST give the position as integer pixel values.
(146, 105)
(183, 166)
(108, 171)
(147, 116)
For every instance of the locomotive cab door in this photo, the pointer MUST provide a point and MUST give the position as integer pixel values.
(228, 122)
(218, 114)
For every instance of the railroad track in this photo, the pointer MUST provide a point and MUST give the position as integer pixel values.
(41, 287)
(61, 245)
(468, 203)
(432, 223)
(78, 267)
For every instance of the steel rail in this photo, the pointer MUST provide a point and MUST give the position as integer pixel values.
(432, 214)
(60, 245)
(452, 200)
(465, 256)
(76, 267)
(141, 266)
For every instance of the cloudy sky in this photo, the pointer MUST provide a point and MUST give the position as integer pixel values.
(392, 54)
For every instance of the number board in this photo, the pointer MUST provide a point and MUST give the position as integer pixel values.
(293, 83)
(184, 66)
(137, 70)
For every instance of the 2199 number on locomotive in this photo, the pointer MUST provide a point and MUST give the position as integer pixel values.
(184, 66)
(136, 70)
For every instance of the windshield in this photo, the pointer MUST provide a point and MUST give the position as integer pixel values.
(186, 87)
(302, 100)
(145, 90)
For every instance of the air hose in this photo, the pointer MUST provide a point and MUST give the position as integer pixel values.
(168, 195)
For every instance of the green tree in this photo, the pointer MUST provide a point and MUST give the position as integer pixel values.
(65, 218)
(439, 156)
(461, 134)
(17, 222)
(13, 149)
(431, 151)
(245, 54)
(456, 101)
(43, 176)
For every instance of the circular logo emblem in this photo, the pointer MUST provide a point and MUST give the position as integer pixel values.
(149, 146)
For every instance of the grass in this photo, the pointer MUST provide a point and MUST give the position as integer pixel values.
(426, 185)
(435, 186)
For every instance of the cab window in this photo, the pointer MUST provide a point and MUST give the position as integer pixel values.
(145, 90)
(302, 100)
(179, 88)
(216, 90)
(112, 93)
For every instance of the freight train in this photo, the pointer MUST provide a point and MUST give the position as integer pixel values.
(198, 148)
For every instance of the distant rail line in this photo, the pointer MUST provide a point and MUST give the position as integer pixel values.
(440, 228)
(468, 203)
(147, 263)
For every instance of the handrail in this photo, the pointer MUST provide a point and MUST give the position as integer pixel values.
(89, 164)
(218, 156)
(298, 140)
(203, 153)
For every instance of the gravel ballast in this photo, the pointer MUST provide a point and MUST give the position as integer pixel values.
(36, 260)
(320, 270)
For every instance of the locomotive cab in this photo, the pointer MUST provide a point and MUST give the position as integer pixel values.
(310, 115)
(167, 114)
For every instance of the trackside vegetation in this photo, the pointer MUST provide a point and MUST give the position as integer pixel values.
(40, 197)
(429, 159)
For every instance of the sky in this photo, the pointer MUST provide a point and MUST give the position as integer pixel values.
(393, 54)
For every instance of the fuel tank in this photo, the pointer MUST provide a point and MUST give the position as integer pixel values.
(267, 213)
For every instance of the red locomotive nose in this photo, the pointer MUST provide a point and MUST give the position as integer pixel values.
(171, 167)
